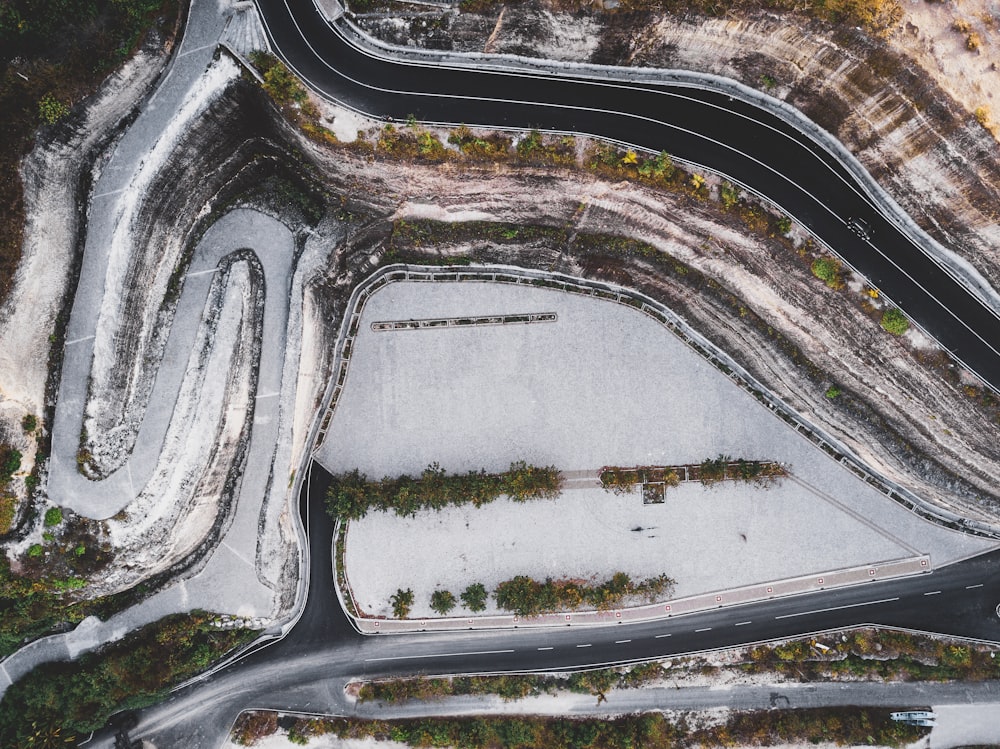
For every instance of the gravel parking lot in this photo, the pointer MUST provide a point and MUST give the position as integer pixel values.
(603, 385)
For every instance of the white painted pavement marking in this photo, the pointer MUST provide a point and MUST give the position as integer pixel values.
(838, 608)
(548, 648)
(932, 593)
(621, 642)
(741, 624)
(78, 340)
(266, 395)
(970, 587)
(109, 192)
(196, 49)
(659, 636)
(585, 646)
(704, 629)
(201, 273)
(437, 655)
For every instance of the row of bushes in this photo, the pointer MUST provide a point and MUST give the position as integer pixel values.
(710, 471)
(352, 495)
(525, 596)
(510, 686)
(70, 698)
(841, 725)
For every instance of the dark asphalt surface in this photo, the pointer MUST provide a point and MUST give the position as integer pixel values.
(730, 136)
(960, 599)
(307, 670)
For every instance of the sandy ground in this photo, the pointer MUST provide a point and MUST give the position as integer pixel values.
(604, 385)
(929, 36)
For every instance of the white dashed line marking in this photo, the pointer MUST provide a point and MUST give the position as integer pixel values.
(838, 608)
(704, 629)
(584, 646)
(932, 593)
(659, 636)
(436, 655)
(549, 648)
(742, 624)
(621, 642)
(970, 587)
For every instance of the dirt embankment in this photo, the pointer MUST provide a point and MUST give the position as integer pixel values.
(752, 295)
(909, 126)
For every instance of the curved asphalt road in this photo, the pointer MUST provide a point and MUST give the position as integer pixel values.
(307, 670)
(733, 137)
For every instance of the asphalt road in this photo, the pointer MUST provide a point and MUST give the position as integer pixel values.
(733, 137)
(307, 670)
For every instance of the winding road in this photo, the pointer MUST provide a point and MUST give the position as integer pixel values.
(306, 670)
(751, 145)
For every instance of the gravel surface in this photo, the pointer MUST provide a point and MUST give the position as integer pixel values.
(603, 385)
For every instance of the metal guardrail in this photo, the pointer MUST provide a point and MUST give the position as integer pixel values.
(670, 320)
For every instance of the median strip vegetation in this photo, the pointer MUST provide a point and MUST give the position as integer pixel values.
(352, 495)
(761, 473)
(841, 725)
(861, 654)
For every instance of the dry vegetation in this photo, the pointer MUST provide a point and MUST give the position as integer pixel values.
(55, 53)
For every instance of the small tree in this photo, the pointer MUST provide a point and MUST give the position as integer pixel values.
(442, 601)
(713, 470)
(829, 271)
(894, 321)
(401, 602)
(51, 110)
(474, 597)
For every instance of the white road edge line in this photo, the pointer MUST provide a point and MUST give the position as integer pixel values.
(838, 608)
(436, 655)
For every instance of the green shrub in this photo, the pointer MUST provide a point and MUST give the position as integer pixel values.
(832, 392)
(442, 601)
(829, 271)
(352, 495)
(53, 516)
(474, 597)
(402, 601)
(29, 423)
(51, 110)
(10, 463)
(35, 550)
(894, 321)
(79, 696)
